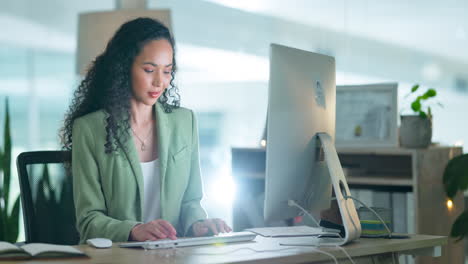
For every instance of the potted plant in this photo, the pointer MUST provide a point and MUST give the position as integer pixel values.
(416, 129)
(455, 179)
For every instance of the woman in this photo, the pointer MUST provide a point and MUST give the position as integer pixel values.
(135, 163)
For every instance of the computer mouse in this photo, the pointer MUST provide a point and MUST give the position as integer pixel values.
(99, 242)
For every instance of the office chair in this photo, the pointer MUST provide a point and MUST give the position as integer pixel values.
(47, 197)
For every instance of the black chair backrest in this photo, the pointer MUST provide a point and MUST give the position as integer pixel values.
(47, 197)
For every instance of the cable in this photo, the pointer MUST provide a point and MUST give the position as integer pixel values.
(248, 248)
(275, 250)
(346, 253)
(326, 253)
(372, 210)
(294, 204)
(378, 216)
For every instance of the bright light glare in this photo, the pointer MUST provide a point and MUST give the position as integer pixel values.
(449, 204)
(249, 5)
(222, 190)
(201, 64)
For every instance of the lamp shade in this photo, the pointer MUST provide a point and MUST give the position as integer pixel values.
(95, 30)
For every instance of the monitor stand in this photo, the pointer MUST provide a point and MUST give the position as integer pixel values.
(349, 216)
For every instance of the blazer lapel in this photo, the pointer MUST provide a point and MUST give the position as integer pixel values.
(163, 135)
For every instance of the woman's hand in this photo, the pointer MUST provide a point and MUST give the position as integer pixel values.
(207, 226)
(154, 230)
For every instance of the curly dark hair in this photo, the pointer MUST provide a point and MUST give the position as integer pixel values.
(107, 84)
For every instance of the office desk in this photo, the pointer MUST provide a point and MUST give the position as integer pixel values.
(418, 171)
(362, 251)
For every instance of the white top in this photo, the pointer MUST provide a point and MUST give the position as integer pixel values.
(152, 190)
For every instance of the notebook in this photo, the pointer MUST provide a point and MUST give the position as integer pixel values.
(37, 250)
(294, 231)
(194, 241)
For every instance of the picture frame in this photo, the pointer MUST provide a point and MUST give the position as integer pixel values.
(367, 115)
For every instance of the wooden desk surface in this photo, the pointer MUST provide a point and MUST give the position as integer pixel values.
(262, 250)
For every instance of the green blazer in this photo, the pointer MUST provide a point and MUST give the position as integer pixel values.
(108, 188)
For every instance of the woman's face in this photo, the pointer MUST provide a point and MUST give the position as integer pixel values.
(151, 71)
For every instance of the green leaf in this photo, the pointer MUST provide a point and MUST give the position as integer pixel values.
(460, 226)
(6, 161)
(2, 221)
(45, 176)
(422, 114)
(416, 106)
(8, 223)
(43, 209)
(1, 159)
(431, 93)
(13, 222)
(414, 88)
(46, 208)
(428, 94)
(455, 177)
(66, 211)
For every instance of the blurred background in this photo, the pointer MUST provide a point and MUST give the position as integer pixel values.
(222, 52)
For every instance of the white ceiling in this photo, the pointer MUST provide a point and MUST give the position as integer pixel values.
(439, 30)
(436, 27)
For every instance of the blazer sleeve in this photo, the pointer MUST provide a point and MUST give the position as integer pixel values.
(191, 209)
(90, 207)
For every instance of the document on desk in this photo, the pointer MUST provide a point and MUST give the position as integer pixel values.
(293, 231)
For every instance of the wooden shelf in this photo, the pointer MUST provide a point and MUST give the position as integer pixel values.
(380, 180)
(387, 150)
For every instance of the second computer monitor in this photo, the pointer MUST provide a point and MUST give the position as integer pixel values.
(301, 103)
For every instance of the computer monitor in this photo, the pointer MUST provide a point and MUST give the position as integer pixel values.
(301, 106)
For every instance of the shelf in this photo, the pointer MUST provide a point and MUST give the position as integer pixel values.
(385, 181)
(387, 150)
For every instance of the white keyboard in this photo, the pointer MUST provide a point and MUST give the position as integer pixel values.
(194, 241)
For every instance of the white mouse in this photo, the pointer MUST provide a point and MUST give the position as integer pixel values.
(99, 242)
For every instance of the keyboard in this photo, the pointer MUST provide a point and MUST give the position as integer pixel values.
(193, 241)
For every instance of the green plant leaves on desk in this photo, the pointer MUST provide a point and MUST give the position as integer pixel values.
(455, 179)
(9, 219)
